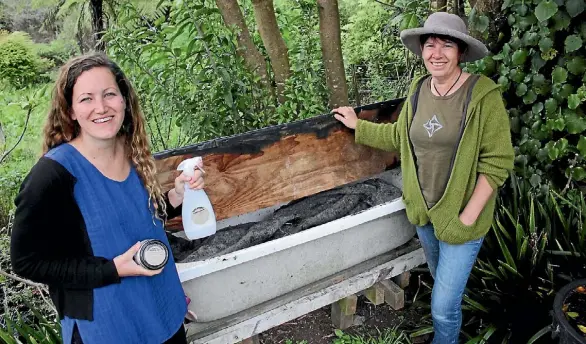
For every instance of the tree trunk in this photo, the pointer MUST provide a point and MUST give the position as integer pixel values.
(98, 24)
(254, 60)
(497, 23)
(457, 7)
(331, 47)
(439, 5)
(264, 14)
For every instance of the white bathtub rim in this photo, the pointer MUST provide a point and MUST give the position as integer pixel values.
(191, 270)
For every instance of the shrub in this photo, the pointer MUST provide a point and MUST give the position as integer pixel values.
(535, 246)
(57, 52)
(542, 70)
(19, 64)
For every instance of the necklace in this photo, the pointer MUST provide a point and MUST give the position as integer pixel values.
(454, 84)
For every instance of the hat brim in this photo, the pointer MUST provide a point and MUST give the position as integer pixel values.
(476, 49)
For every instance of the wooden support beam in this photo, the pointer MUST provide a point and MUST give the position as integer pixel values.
(402, 280)
(394, 296)
(375, 294)
(343, 312)
(251, 340)
(307, 299)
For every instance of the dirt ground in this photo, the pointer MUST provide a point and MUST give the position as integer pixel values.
(317, 328)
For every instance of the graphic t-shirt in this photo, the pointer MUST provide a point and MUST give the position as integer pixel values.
(434, 133)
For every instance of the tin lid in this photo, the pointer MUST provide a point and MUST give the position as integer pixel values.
(154, 254)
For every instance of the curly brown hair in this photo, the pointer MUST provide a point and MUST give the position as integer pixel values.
(60, 127)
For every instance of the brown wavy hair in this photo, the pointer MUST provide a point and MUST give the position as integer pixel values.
(60, 128)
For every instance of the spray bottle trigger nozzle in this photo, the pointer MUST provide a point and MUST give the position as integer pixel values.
(188, 166)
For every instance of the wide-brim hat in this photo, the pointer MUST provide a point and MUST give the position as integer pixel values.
(447, 24)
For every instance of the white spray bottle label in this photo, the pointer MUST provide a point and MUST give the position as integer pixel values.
(197, 214)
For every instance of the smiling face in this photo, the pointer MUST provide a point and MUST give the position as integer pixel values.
(441, 57)
(97, 105)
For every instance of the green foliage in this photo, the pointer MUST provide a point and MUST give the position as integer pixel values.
(382, 88)
(21, 134)
(192, 84)
(388, 336)
(25, 314)
(367, 35)
(305, 91)
(410, 14)
(376, 60)
(57, 52)
(533, 248)
(38, 330)
(569, 241)
(542, 70)
(19, 64)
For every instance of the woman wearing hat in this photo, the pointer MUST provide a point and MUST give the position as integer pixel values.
(454, 140)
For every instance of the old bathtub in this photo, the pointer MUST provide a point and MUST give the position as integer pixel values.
(225, 285)
(251, 174)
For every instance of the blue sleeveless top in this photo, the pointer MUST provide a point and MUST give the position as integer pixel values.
(139, 309)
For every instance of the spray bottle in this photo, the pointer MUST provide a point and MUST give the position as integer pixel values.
(198, 215)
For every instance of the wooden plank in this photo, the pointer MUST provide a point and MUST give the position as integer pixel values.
(394, 296)
(375, 294)
(342, 312)
(348, 304)
(278, 164)
(403, 279)
(307, 299)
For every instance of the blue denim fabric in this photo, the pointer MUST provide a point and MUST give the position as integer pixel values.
(450, 267)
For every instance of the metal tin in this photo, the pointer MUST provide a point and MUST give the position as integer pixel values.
(153, 254)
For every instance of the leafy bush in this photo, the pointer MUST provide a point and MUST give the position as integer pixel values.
(513, 281)
(9, 184)
(367, 35)
(537, 240)
(22, 113)
(389, 336)
(57, 52)
(193, 85)
(377, 62)
(305, 91)
(40, 330)
(542, 71)
(531, 251)
(18, 62)
(25, 309)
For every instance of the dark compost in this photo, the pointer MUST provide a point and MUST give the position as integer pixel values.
(289, 219)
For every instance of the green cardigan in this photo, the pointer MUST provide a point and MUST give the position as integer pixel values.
(485, 148)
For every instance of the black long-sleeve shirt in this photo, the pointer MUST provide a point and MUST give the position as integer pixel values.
(50, 244)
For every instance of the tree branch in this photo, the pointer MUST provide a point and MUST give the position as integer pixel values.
(42, 291)
(5, 303)
(41, 288)
(472, 3)
(21, 280)
(384, 4)
(28, 115)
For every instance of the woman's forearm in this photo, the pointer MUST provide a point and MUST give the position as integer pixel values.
(482, 193)
(174, 199)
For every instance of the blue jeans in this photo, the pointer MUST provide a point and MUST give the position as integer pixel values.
(450, 267)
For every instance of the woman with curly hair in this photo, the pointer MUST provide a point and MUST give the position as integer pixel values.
(86, 205)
